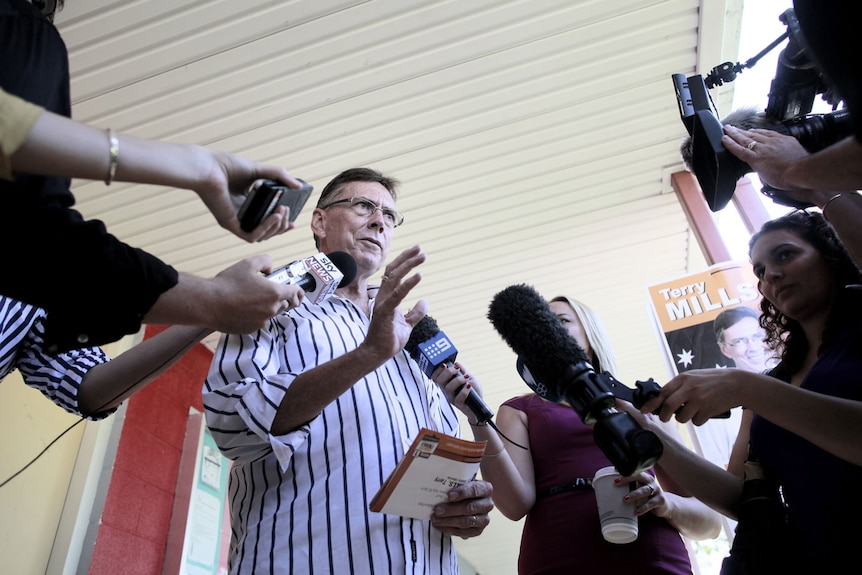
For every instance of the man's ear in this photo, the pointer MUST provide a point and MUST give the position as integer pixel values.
(318, 219)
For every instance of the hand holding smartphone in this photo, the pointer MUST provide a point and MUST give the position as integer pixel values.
(265, 195)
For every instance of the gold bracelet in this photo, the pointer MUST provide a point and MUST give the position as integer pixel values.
(829, 201)
(114, 156)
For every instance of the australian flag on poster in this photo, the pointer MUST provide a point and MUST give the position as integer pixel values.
(695, 347)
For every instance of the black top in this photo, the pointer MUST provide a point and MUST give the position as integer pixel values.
(94, 287)
(831, 29)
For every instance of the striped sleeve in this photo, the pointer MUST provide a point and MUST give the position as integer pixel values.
(57, 376)
(241, 394)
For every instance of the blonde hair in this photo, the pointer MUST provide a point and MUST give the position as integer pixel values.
(603, 358)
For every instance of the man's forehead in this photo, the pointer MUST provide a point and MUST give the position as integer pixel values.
(745, 324)
(371, 190)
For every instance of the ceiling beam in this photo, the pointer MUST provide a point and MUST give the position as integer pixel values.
(699, 217)
(749, 205)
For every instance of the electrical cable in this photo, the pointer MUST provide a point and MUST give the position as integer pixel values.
(168, 361)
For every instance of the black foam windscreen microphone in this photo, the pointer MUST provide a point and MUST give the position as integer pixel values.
(430, 348)
(526, 322)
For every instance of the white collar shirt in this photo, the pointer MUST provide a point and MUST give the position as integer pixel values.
(299, 502)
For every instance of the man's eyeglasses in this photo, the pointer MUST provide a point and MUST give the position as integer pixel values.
(756, 339)
(366, 208)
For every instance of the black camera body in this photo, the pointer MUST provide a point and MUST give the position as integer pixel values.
(631, 448)
(792, 93)
(592, 396)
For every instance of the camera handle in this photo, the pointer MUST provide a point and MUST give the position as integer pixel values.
(728, 71)
(629, 447)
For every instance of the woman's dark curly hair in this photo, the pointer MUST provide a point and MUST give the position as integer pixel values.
(785, 333)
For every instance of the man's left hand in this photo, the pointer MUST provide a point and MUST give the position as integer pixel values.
(466, 512)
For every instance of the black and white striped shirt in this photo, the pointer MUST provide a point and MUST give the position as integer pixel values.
(57, 376)
(299, 502)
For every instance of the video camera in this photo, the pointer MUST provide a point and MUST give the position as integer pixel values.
(791, 96)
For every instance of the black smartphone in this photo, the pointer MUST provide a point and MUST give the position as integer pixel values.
(265, 195)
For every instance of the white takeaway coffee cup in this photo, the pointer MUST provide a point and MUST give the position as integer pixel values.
(618, 520)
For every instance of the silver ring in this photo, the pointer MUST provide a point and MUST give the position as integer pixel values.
(383, 279)
(751, 145)
(652, 490)
(473, 521)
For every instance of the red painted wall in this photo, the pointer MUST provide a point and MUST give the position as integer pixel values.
(134, 528)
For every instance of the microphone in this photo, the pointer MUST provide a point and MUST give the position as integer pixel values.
(318, 275)
(643, 391)
(525, 321)
(430, 348)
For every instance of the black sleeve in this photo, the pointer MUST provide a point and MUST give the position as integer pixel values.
(94, 287)
(831, 29)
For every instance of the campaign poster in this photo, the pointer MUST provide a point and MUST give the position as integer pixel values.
(686, 308)
(707, 320)
(710, 319)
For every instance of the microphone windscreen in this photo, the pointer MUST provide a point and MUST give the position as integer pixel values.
(526, 322)
(422, 331)
(346, 264)
(746, 118)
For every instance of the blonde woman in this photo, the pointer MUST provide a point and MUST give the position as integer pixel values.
(549, 481)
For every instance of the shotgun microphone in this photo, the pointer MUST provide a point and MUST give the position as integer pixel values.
(526, 322)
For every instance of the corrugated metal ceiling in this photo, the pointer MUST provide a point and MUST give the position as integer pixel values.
(534, 140)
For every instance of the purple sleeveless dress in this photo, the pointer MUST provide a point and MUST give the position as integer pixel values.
(561, 532)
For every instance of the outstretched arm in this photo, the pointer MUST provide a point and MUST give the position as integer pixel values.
(694, 480)
(239, 299)
(691, 517)
(106, 385)
(832, 423)
(783, 163)
(60, 147)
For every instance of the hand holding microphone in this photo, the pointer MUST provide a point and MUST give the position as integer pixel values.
(462, 389)
(318, 275)
(430, 348)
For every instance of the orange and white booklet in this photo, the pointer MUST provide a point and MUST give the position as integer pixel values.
(435, 464)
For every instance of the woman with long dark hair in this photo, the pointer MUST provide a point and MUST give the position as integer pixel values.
(803, 421)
